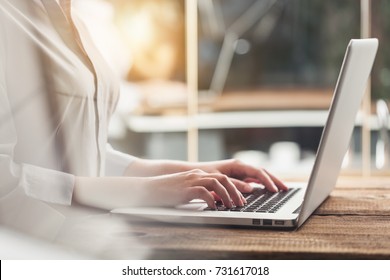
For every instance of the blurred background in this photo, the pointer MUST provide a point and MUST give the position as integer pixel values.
(266, 70)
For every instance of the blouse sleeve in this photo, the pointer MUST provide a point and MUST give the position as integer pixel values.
(40, 183)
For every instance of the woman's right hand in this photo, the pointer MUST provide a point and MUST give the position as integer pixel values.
(162, 190)
(178, 188)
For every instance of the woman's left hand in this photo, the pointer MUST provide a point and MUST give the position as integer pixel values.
(242, 174)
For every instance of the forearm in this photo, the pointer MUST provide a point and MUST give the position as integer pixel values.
(144, 167)
(169, 183)
(110, 192)
(138, 186)
(116, 192)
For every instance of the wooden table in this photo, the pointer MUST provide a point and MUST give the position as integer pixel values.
(353, 223)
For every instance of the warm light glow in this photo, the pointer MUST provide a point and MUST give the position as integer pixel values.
(153, 31)
(138, 29)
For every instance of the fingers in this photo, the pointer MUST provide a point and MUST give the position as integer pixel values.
(270, 182)
(219, 185)
(266, 181)
(201, 193)
(243, 186)
(248, 173)
(260, 176)
(224, 188)
(278, 183)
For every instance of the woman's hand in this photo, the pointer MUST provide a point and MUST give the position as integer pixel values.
(174, 182)
(185, 186)
(220, 180)
(242, 174)
(162, 190)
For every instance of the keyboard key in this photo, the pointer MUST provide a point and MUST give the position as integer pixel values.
(209, 209)
(261, 201)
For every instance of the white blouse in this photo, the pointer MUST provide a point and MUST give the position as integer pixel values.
(56, 98)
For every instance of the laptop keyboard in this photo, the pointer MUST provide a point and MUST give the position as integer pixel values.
(261, 201)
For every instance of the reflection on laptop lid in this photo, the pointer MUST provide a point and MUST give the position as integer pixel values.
(334, 143)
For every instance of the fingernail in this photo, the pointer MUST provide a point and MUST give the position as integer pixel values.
(248, 188)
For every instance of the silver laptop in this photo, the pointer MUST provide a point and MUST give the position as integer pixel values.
(292, 208)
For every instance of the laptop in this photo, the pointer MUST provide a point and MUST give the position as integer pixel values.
(290, 209)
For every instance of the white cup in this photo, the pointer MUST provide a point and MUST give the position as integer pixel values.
(252, 157)
(284, 154)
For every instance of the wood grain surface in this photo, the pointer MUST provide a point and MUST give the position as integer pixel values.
(353, 223)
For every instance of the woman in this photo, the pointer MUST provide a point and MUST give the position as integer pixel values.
(56, 98)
